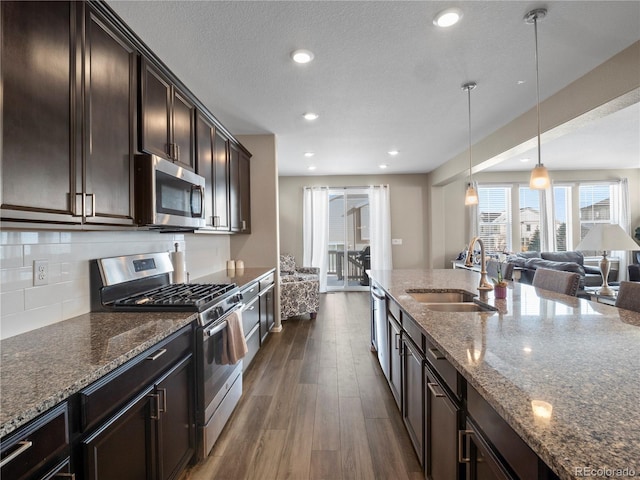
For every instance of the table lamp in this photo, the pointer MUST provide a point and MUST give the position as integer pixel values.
(606, 237)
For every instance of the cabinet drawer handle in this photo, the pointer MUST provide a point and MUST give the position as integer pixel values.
(461, 440)
(437, 354)
(432, 387)
(24, 446)
(157, 355)
(69, 476)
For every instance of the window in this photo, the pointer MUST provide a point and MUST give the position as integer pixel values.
(562, 217)
(529, 220)
(499, 218)
(494, 222)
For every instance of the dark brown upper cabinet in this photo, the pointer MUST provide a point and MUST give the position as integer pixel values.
(109, 123)
(212, 164)
(166, 118)
(239, 187)
(38, 122)
(68, 122)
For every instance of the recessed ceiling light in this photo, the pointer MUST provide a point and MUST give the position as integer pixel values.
(310, 116)
(383, 166)
(448, 17)
(311, 167)
(309, 154)
(521, 82)
(524, 160)
(527, 349)
(393, 153)
(302, 56)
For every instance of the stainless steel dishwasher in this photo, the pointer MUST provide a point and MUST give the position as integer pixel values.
(379, 327)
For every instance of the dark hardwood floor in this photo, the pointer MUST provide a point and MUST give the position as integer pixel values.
(315, 406)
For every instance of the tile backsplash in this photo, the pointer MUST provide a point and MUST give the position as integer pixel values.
(25, 307)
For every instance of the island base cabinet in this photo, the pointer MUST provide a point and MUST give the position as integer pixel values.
(395, 360)
(481, 463)
(441, 431)
(413, 395)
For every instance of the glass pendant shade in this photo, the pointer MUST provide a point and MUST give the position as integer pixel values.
(471, 197)
(539, 179)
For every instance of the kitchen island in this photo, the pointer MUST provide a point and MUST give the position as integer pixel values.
(579, 357)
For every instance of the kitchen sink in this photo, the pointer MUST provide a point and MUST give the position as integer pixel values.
(441, 296)
(458, 307)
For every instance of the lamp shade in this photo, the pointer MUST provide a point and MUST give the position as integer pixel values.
(607, 237)
(471, 196)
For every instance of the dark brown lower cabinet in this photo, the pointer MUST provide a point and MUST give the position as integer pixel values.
(267, 316)
(481, 462)
(124, 448)
(441, 431)
(153, 436)
(413, 394)
(175, 417)
(395, 359)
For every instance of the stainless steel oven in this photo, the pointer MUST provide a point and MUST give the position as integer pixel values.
(219, 380)
(141, 283)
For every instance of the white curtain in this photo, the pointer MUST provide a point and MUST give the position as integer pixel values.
(316, 230)
(624, 220)
(380, 227)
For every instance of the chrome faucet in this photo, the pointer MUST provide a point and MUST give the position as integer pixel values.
(484, 285)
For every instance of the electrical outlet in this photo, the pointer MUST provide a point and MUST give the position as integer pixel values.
(40, 272)
(396, 241)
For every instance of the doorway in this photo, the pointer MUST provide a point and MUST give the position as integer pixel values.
(348, 239)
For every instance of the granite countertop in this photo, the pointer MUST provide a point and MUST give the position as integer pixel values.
(43, 367)
(579, 356)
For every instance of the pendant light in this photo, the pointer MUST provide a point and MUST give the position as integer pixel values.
(539, 175)
(471, 196)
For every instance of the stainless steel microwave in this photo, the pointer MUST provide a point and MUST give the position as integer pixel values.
(167, 196)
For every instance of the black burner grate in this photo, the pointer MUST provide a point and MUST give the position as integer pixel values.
(188, 295)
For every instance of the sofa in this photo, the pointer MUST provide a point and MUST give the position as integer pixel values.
(528, 262)
(299, 289)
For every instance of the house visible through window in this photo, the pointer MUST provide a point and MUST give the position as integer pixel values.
(494, 222)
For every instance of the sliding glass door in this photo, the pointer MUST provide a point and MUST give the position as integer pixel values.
(348, 240)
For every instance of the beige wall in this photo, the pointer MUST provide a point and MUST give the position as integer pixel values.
(408, 198)
(260, 249)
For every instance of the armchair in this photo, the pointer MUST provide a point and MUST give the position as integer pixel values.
(299, 289)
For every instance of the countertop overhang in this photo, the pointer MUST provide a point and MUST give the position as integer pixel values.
(579, 356)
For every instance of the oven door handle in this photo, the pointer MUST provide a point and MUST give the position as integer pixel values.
(218, 327)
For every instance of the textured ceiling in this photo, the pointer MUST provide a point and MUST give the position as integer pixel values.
(384, 77)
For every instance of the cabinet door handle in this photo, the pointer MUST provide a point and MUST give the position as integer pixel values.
(397, 345)
(93, 204)
(169, 150)
(157, 355)
(156, 415)
(164, 401)
(216, 221)
(177, 152)
(244, 225)
(432, 387)
(462, 435)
